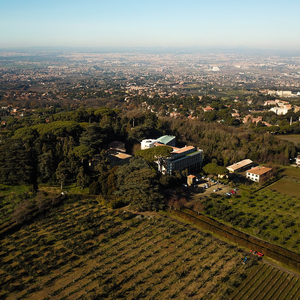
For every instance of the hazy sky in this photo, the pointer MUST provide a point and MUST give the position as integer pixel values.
(131, 23)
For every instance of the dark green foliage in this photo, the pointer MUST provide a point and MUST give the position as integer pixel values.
(138, 185)
(152, 154)
(46, 167)
(82, 178)
(95, 188)
(222, 141)
(16, 163)
(214, 169)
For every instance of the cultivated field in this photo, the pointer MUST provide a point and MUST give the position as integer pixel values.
(10, 197)
(287, 186)
(292, 172)
(83, 251)
(294, 138)
(266, 214)
(266, 282)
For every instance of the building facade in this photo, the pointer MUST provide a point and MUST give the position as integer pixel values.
(258, 174)
(187, 157)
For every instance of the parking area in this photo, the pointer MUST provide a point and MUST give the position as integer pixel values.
(205, 187)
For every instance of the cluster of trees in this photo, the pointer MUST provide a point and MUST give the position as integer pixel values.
(213, 168)
(229, 145)
(58, 152)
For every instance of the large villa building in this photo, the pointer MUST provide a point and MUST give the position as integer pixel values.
(188, 157)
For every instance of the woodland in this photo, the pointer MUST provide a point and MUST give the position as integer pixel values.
(57, 152)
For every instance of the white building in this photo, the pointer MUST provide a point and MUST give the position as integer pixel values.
(281, 93)
(279, 110)
(257, 174)
(146, 144)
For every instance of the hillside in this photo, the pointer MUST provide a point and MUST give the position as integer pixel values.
(82, 250)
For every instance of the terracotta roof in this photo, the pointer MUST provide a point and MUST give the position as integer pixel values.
(122, 155)
(184, 149)
(240, 164)
(259, 170)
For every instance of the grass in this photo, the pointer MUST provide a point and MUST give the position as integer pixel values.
(82, 250)
(292, 172)
(8, 190)
(10, 197)
(72, 189)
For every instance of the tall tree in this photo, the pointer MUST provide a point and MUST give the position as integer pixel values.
(17, 165)
(82, 178)
(62, 173)
(138, 186)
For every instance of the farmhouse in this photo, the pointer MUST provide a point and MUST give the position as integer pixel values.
(240, 166)
(258, 174)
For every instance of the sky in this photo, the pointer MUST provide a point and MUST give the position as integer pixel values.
(256, 24)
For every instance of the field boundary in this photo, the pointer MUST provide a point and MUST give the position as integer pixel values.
(278, 253)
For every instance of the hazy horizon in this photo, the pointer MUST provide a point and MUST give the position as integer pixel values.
(259, 25)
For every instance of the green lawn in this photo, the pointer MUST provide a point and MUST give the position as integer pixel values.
(292, 172)
(72, 189)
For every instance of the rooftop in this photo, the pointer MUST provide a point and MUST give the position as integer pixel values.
(192, 176)
(259, 170)
(240, 164)
(166, 139)
(184, 149)
(119, 155)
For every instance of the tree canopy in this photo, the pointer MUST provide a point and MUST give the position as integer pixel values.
(154, 153)
(138, 185)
